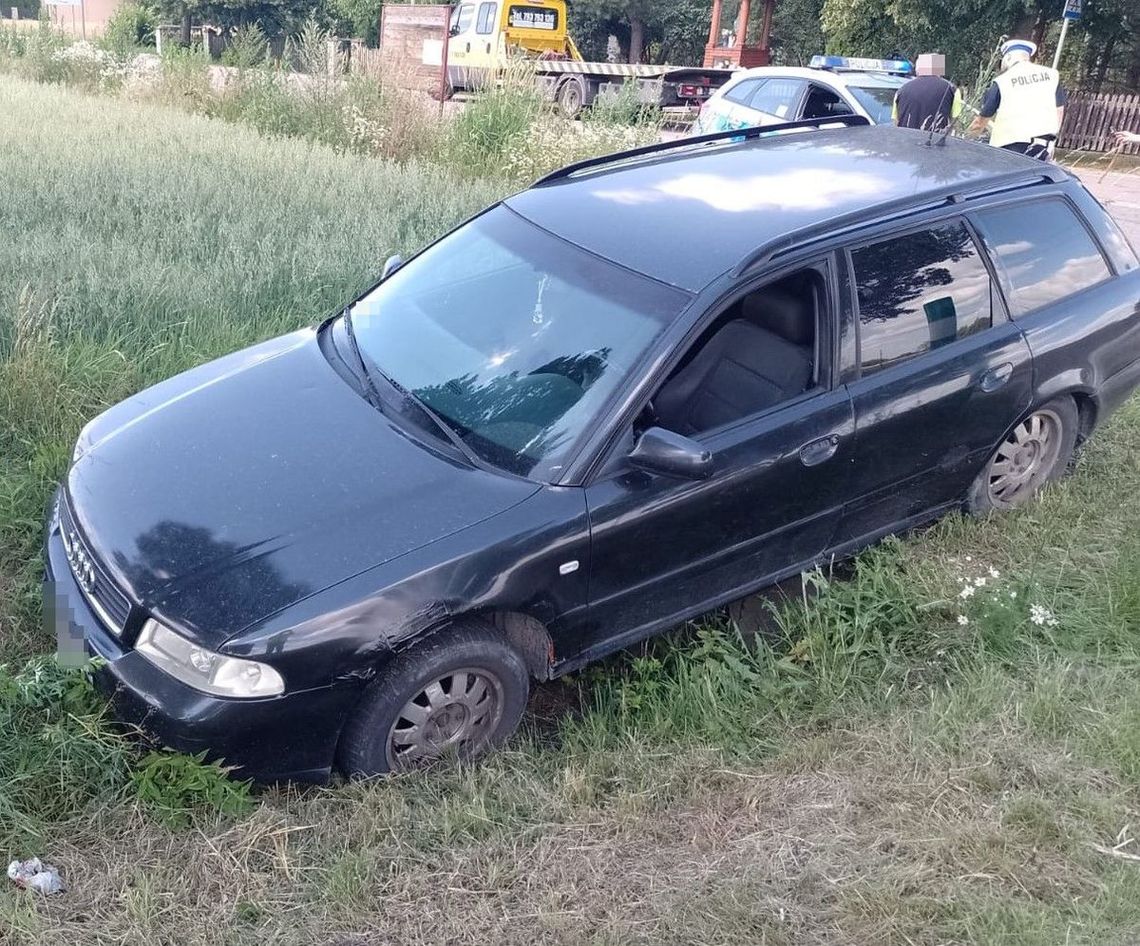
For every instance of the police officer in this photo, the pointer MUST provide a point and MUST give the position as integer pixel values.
(927, 101)
(1025, 103)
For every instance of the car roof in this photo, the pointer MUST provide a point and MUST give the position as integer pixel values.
(835, 79)
(687, 215)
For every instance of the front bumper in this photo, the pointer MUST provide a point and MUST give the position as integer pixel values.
(285, 738)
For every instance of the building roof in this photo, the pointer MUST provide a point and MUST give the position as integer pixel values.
(685, 216)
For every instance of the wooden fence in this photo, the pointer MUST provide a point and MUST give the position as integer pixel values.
(1091, 119)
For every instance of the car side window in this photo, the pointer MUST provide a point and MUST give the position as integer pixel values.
(1045, 252)
(763, 350)
(822, 102)
(743, 91)
(919, 291)
(778, 97)
(486, 21)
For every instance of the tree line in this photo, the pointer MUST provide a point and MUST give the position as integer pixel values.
(1102, 51)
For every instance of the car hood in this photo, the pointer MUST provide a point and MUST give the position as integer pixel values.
(234, 490)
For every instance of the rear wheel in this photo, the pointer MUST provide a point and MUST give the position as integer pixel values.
(1036, 452)
(570, 99)
(458, 695)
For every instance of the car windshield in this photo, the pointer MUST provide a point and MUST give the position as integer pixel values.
(876, 99)
(511, 336)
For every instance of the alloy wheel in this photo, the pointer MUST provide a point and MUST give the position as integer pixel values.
(1026, 460)
(457, 712)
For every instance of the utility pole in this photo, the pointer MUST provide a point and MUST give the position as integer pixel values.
(1072, 12)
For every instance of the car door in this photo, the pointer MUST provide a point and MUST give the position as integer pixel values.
(778, 100)
(938, 373)
(459, 48)
(664, 548)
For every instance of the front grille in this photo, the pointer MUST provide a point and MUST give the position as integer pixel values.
(110, 605)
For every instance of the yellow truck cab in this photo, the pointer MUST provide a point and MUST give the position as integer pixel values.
(483, 36)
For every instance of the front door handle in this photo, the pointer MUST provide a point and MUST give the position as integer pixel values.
(819, 451)
(469, 47)
(996, 377)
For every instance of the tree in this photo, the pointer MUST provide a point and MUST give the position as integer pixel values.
(796, 31)
(639, 15)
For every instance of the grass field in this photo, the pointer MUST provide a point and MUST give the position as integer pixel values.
(887, 775)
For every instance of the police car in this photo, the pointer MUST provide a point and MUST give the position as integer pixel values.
(832, 85)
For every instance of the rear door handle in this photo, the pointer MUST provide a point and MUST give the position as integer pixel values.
(996, 377)
(819, 451)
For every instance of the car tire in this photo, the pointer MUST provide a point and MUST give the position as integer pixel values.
(458, 694)
(1037, 451)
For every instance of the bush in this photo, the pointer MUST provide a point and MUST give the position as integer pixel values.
(496, 123)
(130, 26)
(248, 47)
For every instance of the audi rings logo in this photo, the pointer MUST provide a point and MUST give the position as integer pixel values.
(80, 564)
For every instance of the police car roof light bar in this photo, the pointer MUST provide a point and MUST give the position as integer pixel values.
(900, 67)
(732, 135)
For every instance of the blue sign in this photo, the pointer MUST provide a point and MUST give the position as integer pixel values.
(1072, 9)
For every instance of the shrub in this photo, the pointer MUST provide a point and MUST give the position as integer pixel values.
(497, 122)
(130, 26)
(248, 47)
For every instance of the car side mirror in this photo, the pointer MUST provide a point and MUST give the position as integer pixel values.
(662, 451)
(391, 265)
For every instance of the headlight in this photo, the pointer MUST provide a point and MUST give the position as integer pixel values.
(205, 670)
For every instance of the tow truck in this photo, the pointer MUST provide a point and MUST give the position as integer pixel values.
(484, 38)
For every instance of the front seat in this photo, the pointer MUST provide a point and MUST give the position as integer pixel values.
(754, 362)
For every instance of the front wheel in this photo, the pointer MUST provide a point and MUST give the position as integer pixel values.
(458, 695)
(1035, 453)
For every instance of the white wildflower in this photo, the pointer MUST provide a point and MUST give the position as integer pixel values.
(994, 573)
(1041, 616)
(963, 620)
(1013, 594)
(967, 592)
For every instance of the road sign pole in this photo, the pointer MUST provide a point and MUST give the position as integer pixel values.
(1061, 42)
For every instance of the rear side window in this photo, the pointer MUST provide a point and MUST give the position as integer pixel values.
(1044, 250)
(778, 97)
(743, 91)
(919, 291)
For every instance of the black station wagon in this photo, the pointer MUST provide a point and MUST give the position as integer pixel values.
(647, 386)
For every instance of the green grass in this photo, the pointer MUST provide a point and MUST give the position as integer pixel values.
(883, 775)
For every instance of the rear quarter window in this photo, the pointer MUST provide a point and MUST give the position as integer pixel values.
(1044, 252)
(743, 91)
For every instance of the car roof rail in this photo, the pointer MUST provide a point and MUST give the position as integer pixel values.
(661, 147)
(947, 195)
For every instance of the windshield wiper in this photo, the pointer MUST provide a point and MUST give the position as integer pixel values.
(370, 390)
(370, 369)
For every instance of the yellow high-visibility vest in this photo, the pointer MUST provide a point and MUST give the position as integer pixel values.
(1028, 107)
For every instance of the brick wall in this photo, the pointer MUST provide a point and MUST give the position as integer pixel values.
(409, 35)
